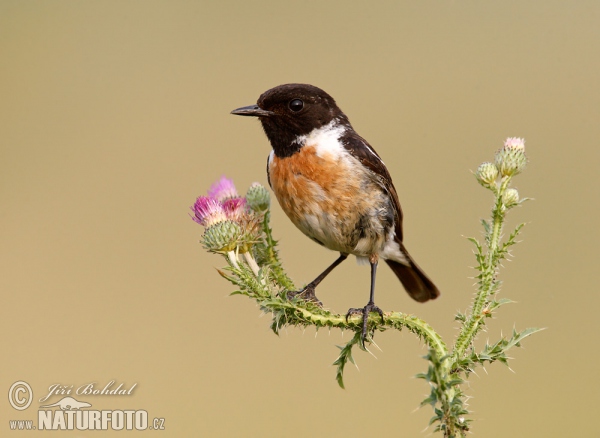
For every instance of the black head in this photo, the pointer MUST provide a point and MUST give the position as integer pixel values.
(290, 111)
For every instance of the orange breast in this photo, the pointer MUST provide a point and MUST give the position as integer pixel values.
(306, 177)
(330, 198)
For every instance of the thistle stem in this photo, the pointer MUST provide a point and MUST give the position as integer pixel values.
(251, 262)
(488, 275)
(273, 258)
(232, 257)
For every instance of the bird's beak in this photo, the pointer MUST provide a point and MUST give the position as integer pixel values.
(252, 110)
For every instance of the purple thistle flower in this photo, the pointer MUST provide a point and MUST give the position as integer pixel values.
(234, 208)
(208, 211)
(222, 190)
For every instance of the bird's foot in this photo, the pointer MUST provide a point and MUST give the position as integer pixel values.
(307, 294)
(370, 307)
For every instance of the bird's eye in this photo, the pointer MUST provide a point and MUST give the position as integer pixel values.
(296, 105)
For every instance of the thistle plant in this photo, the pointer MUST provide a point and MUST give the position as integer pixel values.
(239, 229)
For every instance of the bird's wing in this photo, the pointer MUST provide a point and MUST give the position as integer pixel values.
(360, 149)
(268, 174)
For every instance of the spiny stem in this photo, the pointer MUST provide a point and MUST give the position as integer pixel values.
(273, 258)
(488, 274)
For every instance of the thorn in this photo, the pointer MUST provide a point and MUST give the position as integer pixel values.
(369, 351)
(222, 273)
(377, 346)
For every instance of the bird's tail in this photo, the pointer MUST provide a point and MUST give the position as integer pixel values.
(414, 280)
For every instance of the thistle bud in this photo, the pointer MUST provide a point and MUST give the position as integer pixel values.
(510, 198)
(511, 159)
(258, 197)
(222, 236)
(486, 174)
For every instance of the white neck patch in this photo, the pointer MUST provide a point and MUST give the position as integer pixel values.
(325, 139)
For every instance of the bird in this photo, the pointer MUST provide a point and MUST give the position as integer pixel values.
(335, 188)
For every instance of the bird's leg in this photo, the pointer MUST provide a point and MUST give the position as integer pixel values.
(370, 307)
(308, 293)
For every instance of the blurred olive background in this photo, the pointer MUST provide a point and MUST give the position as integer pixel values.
(114, 117)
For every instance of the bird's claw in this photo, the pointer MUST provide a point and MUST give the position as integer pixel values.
(370, 307)
(307, 294)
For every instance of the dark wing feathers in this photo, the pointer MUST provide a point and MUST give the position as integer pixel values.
(363, 152)
(268, 174)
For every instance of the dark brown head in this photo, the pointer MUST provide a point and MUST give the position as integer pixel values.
(290, 111)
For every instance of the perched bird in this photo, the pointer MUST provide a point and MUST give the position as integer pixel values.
(334, 187)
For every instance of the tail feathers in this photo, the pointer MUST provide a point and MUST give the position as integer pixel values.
(414, 280)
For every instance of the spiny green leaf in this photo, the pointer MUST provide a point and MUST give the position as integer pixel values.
(345, 357)
(431, 400)
(518, 337)
(486, 226)
(478, 246)
(239, 292)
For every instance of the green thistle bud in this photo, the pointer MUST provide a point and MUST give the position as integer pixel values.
(510, 198)
(511, 159)
(486, 174)
(222, 236)
(258, 197)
